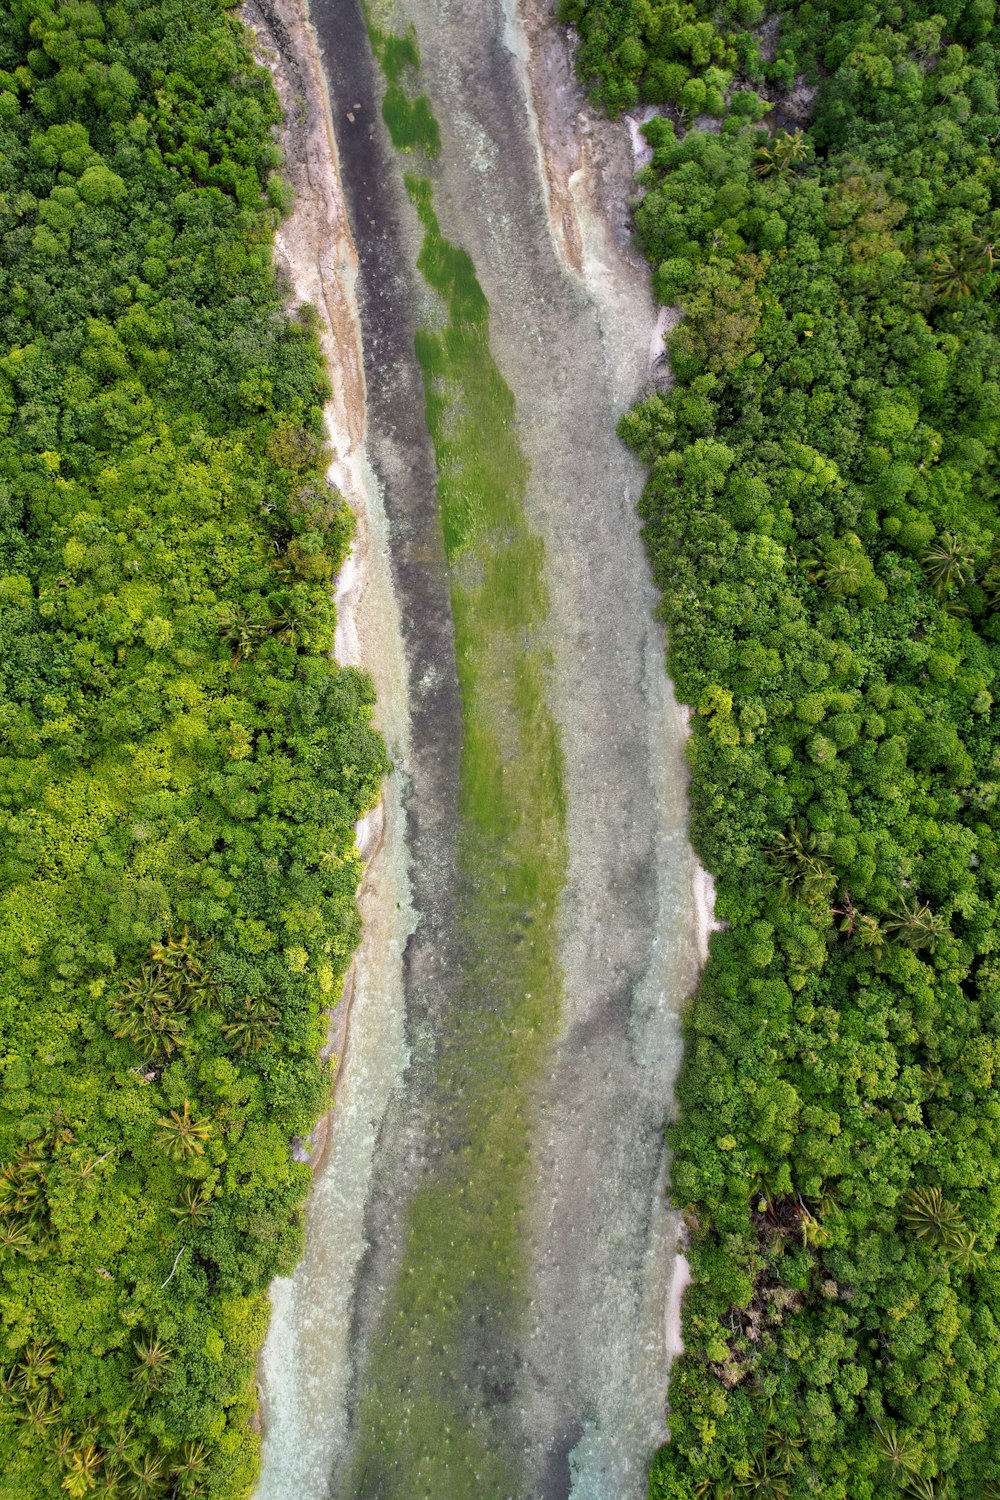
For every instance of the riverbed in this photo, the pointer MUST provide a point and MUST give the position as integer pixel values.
(566, 1370)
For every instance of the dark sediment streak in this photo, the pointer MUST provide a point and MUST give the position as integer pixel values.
(391, 307)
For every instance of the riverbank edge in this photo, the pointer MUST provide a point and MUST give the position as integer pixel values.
(316, 258)
(583, 177)
(314, 251)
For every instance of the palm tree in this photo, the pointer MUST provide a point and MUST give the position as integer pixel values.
(14, 1236)
(979, 252)
(768, 1479)
(782, 1447)
(40, 1413)
(766, 1187)
(192, 1462)
(918, 1488)
(194, 1204)
(961, 1249)
(10, 1383)
(796, 857)
(183, 1134)
(790, 849)
(23, 1192)
(794, 147)
(991, 582)
(89, 1166)
(847, 912)
(946, 562)
(252, 1026)
(950, 277)
(915, 925)
(158, 1030)
(931, 1214)
(151, 986)
(176, 951)
(814, 1234)
(120, 1448)
(148, 1477)
(844, 574)
(782, 154)
(869, 932)
(934, 1078)
(284, 626)
(37, 1364)
(896, 1448)
(954, 273)
(240, 631)
(151, 1011)
(188, 978)
(64, 1445)
(152, 1360)
(82, 1465)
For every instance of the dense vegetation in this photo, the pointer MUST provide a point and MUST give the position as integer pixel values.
(822, 518)
(181, 763)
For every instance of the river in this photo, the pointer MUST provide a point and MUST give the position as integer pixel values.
(489, 1255)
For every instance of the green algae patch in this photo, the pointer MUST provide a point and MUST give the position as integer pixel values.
(410, 122)
(395, 53)
(436, 1414)
(450, 271)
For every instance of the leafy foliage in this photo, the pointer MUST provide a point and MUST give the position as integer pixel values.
(821, 514)
(181, 762)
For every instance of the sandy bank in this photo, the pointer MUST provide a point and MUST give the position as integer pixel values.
(315, 254)
(587, 167)
(316, 257)
(586, 160)
(706, 921)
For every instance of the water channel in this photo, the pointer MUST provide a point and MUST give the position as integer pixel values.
(482, 1306)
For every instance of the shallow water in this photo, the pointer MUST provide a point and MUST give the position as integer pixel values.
(555, 1367)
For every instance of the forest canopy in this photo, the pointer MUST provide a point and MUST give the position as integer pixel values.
(823, 205)
(181, 762)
